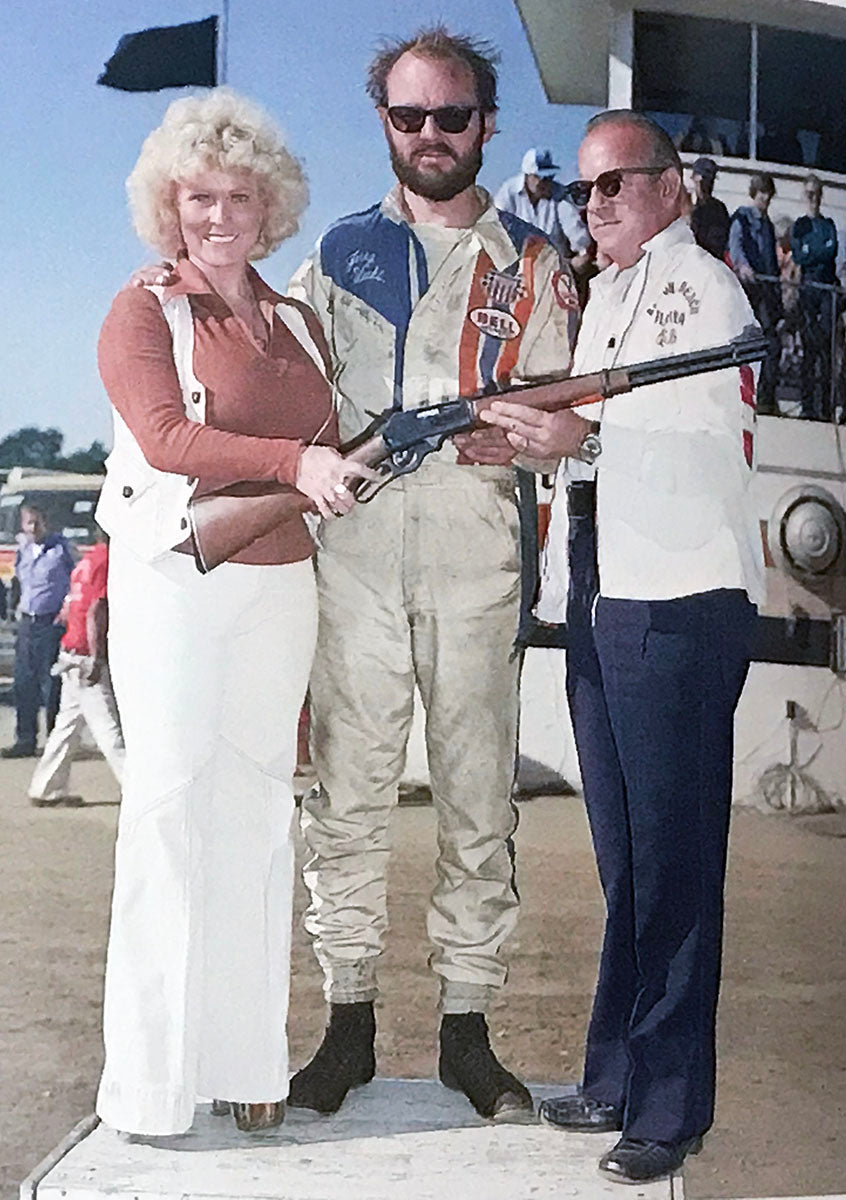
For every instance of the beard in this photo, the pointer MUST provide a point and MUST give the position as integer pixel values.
(437, 184)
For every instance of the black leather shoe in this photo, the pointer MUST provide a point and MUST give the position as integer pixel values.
(18, 750)
(634, 1160)
(345, 1059)
(467, 1064)
(579, 1113)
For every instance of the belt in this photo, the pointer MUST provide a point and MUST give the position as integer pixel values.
(581, 498)
(39, 618)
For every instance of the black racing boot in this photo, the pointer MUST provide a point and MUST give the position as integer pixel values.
(467, 1064)
(345, 1059)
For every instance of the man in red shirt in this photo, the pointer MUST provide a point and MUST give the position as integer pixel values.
(87, 697)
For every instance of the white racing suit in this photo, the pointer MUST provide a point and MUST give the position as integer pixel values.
(422, 586)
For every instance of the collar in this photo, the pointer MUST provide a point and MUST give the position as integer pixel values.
(754, 214)
(49, 540)
(487, 230)
(192, 282)
(558, 193)
(678, 233)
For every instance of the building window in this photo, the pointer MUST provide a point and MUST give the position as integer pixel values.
(801, 99)
(694, 76)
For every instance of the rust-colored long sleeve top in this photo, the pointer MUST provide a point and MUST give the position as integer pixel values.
(262, 406)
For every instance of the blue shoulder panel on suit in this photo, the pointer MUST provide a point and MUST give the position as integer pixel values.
(367, 254)
(519, 231)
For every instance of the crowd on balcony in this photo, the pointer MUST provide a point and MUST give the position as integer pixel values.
(788, 269)
(789, 272)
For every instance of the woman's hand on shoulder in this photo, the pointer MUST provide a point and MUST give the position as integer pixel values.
(161, 275)
(322, 475)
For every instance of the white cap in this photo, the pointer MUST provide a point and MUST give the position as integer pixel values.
(539, 162)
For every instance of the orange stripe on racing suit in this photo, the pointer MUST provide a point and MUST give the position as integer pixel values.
(522, 309)
(469, 379)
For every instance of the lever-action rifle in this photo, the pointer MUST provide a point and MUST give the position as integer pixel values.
(397, 442)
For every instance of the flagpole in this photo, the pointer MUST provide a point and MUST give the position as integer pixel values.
(222, 42)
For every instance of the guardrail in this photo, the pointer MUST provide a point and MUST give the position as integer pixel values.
(808, 365)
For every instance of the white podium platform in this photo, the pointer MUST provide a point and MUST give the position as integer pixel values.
(396, 1139)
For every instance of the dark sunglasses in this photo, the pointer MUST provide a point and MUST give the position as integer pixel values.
(608, 183)
(452, 118)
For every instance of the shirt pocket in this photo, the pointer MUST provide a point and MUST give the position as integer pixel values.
(130, 481)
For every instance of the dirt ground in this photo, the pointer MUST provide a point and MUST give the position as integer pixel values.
(780, 1114)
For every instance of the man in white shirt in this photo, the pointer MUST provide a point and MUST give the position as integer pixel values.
(666, 565)
(536, 196)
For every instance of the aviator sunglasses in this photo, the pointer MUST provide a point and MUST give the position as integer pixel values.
(452, 118)
(608, 183)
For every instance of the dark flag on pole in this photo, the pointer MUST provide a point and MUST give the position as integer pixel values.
(167, 57)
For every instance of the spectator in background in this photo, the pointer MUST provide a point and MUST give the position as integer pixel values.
(536, 196)
(790, 275)
(87, 697)
(752, 250)
(699, 139)
(813, 241)
(43, 566)
(780, 144)
(709, 219)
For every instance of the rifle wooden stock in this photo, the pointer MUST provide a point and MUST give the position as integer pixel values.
(553, 394)
(229, 520)
(222, 523)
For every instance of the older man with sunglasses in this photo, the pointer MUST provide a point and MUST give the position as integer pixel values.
(430, 293)
(665, 565)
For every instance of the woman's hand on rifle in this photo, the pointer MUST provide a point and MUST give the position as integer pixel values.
(537, 434)
(322, 475)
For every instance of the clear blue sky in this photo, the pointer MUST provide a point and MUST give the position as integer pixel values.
(65, 237)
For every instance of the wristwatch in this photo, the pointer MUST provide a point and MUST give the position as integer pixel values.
(591, 446)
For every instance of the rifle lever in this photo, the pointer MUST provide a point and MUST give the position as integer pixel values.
(401, 462)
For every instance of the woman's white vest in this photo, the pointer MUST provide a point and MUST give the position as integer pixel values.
(142, 507)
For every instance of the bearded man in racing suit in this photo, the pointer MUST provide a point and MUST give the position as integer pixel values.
(430, 294)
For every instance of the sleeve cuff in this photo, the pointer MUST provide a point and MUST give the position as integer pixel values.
(289, 462)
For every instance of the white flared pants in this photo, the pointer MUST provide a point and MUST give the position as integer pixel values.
(209, 674)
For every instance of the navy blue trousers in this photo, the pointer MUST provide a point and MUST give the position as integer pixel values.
(652, 687)
(36, 649)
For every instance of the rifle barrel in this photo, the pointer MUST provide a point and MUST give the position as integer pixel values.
(677, 366)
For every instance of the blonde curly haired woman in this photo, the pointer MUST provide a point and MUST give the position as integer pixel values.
(213, 380)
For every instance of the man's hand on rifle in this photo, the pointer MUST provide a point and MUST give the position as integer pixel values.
(537, 434)
(322, 475)
(484, 447)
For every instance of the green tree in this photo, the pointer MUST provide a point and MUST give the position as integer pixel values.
(88, 462)
(31, 447)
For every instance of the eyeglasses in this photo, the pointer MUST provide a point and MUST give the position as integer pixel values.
(608, 183)
(452, 118)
